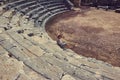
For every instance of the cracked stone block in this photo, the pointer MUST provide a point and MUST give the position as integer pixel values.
(47, 70)
(2, 50)
(84, 74)
(9, 68)
(67, 77)
(32, 74)
(7, 14)
(1, 31)
(23, 77)
(65, 66)
(3, 21)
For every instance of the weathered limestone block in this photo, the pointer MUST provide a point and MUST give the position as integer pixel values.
(67, 77)
(35, 50)
(31, 23)
(61, 63)
(2, 51)
(23, 22)
(23, 77)
(3, 21)
(84, 74)
(32, 74)
(7, 45)
(8, 14)
(9, 68)
(47, 70)
(12, 69)
(15, 21)
(1, 30)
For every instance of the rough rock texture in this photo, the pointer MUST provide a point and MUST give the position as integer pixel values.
(38, 57)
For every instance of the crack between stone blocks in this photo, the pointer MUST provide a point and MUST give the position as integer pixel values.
(82, 68)
(22, 45)
(106, 77)
(63, 74)
(28, 66)
(44, 49)
(37, 71)
(18, 76)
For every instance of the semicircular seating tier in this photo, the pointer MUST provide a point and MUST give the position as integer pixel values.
(39, 11)
(32, 45)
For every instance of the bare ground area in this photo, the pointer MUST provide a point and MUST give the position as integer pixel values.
(96, 33)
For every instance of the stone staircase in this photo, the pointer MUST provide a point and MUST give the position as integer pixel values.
(20, 37)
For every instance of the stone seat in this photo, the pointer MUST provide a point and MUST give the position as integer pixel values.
(25, 49)
(56, 7)
(54, 12)
(60, 9)
(8, 1)
(41, 0)
(47, 2)
(17, 2)
(24, 5)
(34, 11)
(41, 18)
(28, 9)
(39, 13)
(54, 4)
(46, 10)
(13, 4)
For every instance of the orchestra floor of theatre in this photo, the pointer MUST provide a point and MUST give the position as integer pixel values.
(96, 33)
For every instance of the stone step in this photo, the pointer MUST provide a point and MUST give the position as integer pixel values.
(27, 9)
(30, 50)
(68, 68)
(15, 3)
(35, 50)
(54, 4)
(24, 5)
(9, 47)
(47, 70)
(56, 7)
(68, 77)
(55, 12)
(2, 50)
(15, 20)
(34, 11)
(90, 66)
(46, 2)
(39, 13)
(96, 67)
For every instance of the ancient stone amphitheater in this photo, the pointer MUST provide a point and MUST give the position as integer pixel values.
(28, 53)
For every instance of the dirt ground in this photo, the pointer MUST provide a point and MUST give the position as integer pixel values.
(96, 33)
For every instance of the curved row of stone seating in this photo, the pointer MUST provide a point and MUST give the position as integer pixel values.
(37, 10)
(2, 2)
(40, 53)
(53, 63)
